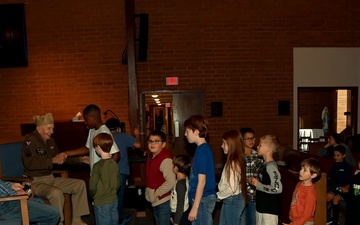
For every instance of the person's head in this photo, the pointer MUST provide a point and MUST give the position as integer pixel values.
(196, 126)
(232, 143)
(156, 141)
(268, 144)
(182, 164)
(113, 124)
(248, 135)
(339, 153)
(334, 139)
(310, 170)
(92, 116)
(103, 142)
(45, 125)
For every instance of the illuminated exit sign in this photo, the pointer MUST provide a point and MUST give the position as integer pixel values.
(172, 81)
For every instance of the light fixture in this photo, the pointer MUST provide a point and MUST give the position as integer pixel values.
(157, 99)
(159, 103)
(154, 96)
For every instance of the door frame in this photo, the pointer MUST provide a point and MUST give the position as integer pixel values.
(142, 110)
(354, 104)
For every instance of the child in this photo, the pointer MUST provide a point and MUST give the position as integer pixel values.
(340, 175)
(303, 204)
(124, 141)
(179, 201)
(202, 194)
(159, 177)
(353, 202)
(253, 163)
(104, 182)
(232, 185)
(92, 116)
(268, 186)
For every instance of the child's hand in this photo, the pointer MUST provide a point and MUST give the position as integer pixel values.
(357, 171)
(253, 181)
(193, 214)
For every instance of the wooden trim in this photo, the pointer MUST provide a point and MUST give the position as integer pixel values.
(130, 40)
(23, 204)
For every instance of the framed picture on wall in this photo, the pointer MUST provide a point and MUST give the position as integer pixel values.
(13, 48)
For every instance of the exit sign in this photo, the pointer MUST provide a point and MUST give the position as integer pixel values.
(172, 81)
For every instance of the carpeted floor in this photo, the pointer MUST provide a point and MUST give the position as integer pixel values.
(142, 217)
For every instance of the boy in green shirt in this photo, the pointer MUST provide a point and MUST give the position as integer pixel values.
(104, 182)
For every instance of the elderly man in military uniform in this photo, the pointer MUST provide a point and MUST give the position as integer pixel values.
(39, 154)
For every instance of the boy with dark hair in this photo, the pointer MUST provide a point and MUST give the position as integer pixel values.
(328, 150)
(104, 182)
(179, 202)
(268, 185)
(93, 121)
(253, 163)
(340, 176)
(303, 204)
(159, 177)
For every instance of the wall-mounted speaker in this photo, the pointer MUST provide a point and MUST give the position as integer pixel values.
(216, 108)
(284, 107)
(143, 36)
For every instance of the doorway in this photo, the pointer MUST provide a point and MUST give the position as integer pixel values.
(325, 110)
(167, 111)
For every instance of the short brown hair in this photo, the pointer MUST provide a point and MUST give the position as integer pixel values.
(314, 167)
(104, 141)
(183, 163)
(197, 122)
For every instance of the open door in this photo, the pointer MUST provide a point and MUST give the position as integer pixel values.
(341, 117)
(182, 104)
(185, 105)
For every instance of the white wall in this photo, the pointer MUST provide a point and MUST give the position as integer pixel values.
(324, 67)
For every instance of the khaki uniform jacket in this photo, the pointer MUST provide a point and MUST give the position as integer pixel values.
(37, 155)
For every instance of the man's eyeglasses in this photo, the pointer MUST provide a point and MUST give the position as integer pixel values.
(156, 141)
(249, 139)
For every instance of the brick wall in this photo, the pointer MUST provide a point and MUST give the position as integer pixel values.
(239, 52)
(74, 51)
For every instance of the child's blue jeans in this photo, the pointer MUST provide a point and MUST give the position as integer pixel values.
(107, 214)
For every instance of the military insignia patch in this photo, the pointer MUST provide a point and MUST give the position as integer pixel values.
(41, 151)
(28, 153)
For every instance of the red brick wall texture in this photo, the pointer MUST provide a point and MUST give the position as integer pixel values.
(239, 52)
